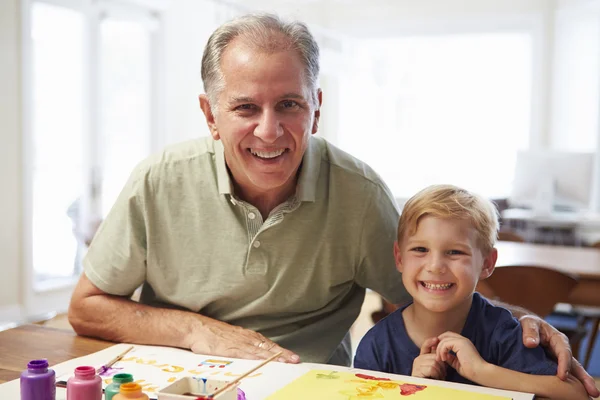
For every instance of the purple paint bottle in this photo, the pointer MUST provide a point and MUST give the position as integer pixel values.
(38, 381)
(85, 385)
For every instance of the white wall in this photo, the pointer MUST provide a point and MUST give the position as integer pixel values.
(10, 159)
(576, 80)
(188, 24)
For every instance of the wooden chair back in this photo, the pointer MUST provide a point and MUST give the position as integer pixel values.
(507, 236)
(535, 288)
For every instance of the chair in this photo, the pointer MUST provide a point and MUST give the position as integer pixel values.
(386, 309)
(535, 288)
(507, 236)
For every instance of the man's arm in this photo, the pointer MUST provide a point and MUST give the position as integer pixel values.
(537, 331)
(547, 387)
(93, 312)
(460, 353)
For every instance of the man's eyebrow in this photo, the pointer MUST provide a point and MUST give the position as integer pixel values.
(247, 99)
(241, 99)
(292, 95)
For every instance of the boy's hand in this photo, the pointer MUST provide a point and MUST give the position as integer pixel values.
(465, 358)
(426, 365)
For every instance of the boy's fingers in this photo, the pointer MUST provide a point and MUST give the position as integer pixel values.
(428, 345)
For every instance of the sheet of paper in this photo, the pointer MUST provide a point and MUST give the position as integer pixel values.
(339, 385)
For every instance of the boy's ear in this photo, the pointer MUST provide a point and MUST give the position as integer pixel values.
(489, 263)
(398, 257)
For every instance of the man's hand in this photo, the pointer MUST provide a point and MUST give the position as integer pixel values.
(425, 365)
(221, 339)
(537, 331)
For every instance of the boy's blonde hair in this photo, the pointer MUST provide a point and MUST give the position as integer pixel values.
(448, 201)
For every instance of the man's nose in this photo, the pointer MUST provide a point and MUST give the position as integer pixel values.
(269, 127)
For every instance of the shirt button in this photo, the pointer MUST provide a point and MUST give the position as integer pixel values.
(256, 244)
(251, 215)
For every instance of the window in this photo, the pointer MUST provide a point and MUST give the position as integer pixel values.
(440, 109)
(92, 116)
(57, 36)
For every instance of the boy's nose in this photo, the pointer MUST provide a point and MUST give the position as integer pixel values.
(437, 265)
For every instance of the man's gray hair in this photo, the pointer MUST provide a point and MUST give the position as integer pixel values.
(268, 33)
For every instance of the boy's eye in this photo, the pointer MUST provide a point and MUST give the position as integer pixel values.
(455, 252)
(419, 249)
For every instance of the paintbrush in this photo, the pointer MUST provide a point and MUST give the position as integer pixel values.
(234, 382)
(109, 364)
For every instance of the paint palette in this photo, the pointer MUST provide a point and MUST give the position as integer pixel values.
(190, 386)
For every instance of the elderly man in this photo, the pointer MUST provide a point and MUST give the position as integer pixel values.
(260, 238)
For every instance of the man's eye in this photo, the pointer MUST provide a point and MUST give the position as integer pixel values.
(289, 104)
(244, 107)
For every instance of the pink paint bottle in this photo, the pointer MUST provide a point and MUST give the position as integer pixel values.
(130, 391)
(85, 385)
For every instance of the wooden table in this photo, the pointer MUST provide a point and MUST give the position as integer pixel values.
(583, 263)
(20, 345)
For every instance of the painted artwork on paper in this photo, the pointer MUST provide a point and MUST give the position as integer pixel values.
(333, 385)
(156, 367)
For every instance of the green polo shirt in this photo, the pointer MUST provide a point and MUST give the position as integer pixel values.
(299, 277)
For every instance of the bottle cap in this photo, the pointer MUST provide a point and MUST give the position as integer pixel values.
(85, 371)
(37, 364)
(122, 378)
(130, 387)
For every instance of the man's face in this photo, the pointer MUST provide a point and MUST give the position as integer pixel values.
(264, 118)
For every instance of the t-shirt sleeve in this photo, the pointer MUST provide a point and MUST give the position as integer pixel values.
(377, 269)
(512, 353)
(368, 355)
(116, 259)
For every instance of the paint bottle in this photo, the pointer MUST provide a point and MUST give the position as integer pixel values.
(38, 381)
(117, 380)
(130, 391)
(85, 385)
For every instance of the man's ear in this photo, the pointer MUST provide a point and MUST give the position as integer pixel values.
(208, 114)
(489, 263)
(315, 127)
(398, 257)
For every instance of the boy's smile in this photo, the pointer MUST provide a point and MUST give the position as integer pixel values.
(436, 286)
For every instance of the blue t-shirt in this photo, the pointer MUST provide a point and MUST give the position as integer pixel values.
(496, 334)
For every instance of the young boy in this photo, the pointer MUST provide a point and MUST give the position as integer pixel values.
(446, 239)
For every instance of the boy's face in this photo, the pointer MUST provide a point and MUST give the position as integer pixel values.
(441, 263)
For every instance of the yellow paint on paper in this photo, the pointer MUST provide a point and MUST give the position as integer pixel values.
(329, 385)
